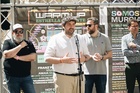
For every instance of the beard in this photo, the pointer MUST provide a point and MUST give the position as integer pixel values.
(91, 32)
(69, 32)
(18, 39)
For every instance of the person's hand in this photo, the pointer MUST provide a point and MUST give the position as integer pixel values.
(97, 57)
(16, 57)
(68, 60)
(23, 44)
(132, 45)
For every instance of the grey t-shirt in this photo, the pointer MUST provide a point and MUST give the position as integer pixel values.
(100, 44)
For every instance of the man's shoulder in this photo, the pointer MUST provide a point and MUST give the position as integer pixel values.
(126, 36)
(85, 35)
(28, 41)
(104, 35)
(82, 36)
(8, 40)
(56, 35)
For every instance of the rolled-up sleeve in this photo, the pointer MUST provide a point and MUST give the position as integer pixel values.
(126, 50)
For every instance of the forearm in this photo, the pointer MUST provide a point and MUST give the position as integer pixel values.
(108, 55)
(131, 53)
(67, 60)
(12, 52)
(31, 57)
(87, 57)
(53, 60)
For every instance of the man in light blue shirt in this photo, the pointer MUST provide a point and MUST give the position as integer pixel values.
(130, 45)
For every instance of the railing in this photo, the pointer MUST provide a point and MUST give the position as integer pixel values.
(74, 2)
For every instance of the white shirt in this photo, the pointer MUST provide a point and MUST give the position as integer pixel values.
(59, 45)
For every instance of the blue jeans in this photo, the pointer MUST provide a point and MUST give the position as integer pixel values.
(15, 84)
(98, 80)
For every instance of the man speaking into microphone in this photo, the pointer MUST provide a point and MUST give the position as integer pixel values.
(18, 54)
(62, 53)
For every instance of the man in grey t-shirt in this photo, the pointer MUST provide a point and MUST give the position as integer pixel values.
(100, 49)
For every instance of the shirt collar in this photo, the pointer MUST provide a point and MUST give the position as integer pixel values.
(132, 35)
(63, 34)
(99, 34)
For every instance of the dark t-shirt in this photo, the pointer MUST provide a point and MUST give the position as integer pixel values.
(17, 68)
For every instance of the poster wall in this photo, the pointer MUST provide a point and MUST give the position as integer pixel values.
(117, 26)
(40, 23)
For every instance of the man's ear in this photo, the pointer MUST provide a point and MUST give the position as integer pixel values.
(96, 26)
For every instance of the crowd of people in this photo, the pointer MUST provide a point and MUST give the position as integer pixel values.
(78, 61)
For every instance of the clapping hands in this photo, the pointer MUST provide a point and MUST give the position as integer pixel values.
(97, 57)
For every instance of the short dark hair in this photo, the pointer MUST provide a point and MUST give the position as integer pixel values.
(94, 19)
(131, 20)
(68, 19)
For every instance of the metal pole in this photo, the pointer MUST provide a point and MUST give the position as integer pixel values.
(0, 59)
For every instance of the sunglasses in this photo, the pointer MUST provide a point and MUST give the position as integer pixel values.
(18, 31)
(89, 25)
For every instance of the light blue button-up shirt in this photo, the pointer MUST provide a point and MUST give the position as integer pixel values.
(131, 55)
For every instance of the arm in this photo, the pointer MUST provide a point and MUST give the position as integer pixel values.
(108, 55)
(134, 46)
(98, 57)
(65, 59)
(131, 53)
(126, 50)
(108, 52)
(49, 54)
(13, 52)
(85, 56)
(53, 60)
(29, 58)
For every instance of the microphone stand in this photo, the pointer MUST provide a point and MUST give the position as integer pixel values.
(79, 63)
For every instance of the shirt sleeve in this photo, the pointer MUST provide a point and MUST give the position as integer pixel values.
(6, 45)
(126, 50)
(31, 46)
(108, 44)
(50, 50)
(83, 45)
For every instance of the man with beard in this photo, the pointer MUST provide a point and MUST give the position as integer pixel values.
(19, 54)
(100, 49)
(62, 53)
